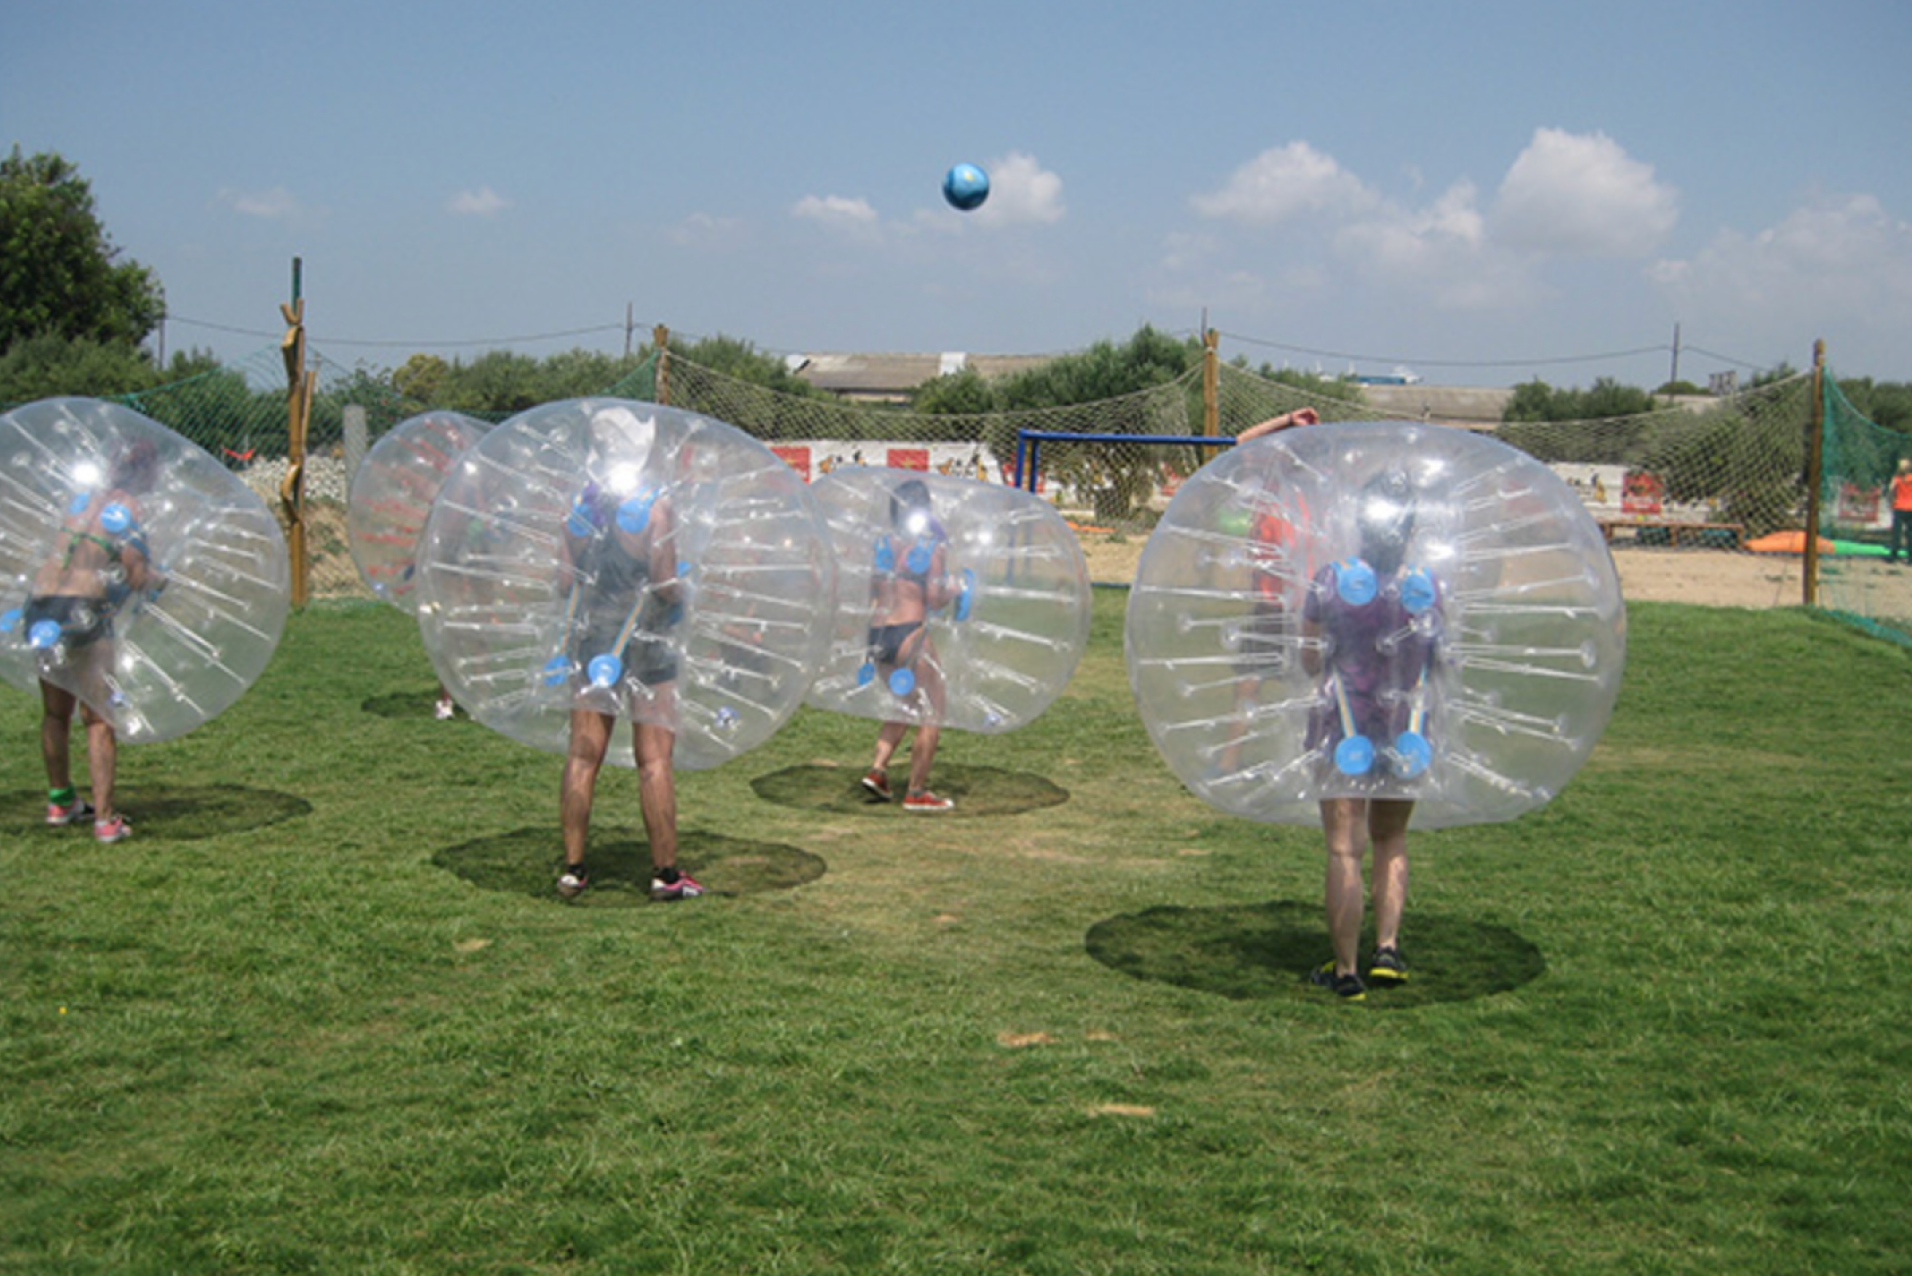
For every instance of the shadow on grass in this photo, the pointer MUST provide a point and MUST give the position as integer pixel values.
(1265, 951)
(525, 862)
(976, 790)
(182, 814)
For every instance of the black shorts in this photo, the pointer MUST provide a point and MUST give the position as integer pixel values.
(887, 641)
(82, 621)
(646, 657)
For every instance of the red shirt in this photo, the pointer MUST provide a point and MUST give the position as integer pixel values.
(1902, 492)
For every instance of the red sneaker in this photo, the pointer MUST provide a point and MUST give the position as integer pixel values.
(927, 801)
(72, 813)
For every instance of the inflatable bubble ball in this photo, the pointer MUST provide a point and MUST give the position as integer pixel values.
(392, 494)
(1384, 610)
(958, 603)
(630, 559)
(136, 571)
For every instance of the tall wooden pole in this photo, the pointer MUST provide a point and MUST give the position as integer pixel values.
(299, 388)
(661, 341)
(1815, 467)
(1211, 383)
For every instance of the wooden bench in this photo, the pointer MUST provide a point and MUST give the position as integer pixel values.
(1723, 535)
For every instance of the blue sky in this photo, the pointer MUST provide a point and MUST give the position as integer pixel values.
(1485, 192)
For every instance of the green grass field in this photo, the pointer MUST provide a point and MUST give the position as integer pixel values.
(324, 1014)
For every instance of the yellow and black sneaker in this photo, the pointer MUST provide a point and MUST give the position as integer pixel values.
(1348, 987)
(1387, 970)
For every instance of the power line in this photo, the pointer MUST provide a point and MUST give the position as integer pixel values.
(409, 345)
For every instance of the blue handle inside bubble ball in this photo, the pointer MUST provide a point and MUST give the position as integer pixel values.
(604, 670)
(966, 596)
(866, 674)
(10, 620)
(1417, 591)
(1356, 582)
(44, 634)
(78, 504)
(582, 520)
(919, 556)
(1412, 754)
(902, 682)
(556, 670)
(116, 519)
(885, 556)
(634, 515)
(1354, 755)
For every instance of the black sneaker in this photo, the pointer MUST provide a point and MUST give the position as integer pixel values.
(572, 882)
(1348, 987)
(1387, 970)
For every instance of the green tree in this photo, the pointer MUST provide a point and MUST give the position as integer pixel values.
(48, 365)
(1117, 478)
(961, 393)
(421, 379)
(59, 273)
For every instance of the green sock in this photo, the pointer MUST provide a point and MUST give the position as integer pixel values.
(61, 797)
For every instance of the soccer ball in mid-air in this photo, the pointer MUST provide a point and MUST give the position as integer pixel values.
(966, 187)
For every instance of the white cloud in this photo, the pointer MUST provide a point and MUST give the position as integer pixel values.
(1839, 254)
(1021, 192)
(706, 231)
(275, 203)
(1442, 251)
(1582, 195)
(1283, 183)
(838, 211)
(483, 202)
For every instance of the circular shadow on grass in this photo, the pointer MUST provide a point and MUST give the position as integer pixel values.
(524, 862)
(1254, 952)
(976, 790)
(180, 814)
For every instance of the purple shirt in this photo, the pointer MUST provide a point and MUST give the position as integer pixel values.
(1383, 644)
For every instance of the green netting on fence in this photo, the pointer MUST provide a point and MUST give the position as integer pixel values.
(1701, 477)
(1856, 581)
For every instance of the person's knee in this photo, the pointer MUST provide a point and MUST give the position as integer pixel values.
(1346, 847)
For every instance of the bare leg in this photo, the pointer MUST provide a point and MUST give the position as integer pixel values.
(657, 790)
(887, 739)
(1387, 827)
(929, 686)
(922, 755)
(590, 737)
(56, 731)
(102, 762)
(1345, 826)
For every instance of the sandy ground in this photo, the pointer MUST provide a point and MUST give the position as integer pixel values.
(1708, 577)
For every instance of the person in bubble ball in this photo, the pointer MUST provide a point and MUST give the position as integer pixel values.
(1274, 547)
(1370, 630)
(910, 581)
(635, 593)
(100, 562)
